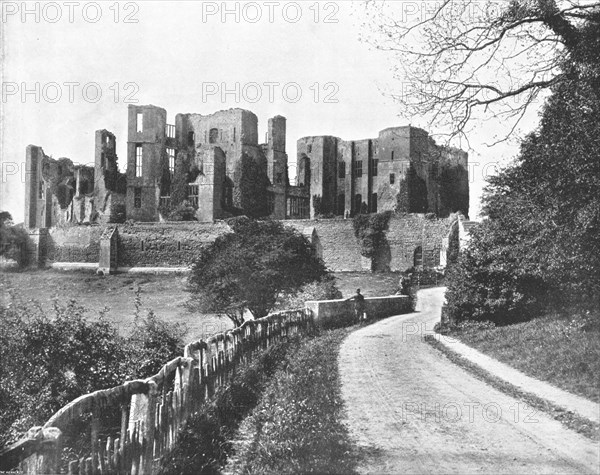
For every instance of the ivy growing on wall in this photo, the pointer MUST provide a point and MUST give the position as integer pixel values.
(370, 230)
(179, 209)
(317, 205)
(412, 197)
(179, 185)
(453, 244)
(250, 191)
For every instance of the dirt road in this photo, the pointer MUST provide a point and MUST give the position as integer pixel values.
(412, 411)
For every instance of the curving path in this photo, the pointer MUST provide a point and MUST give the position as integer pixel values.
(413, 411)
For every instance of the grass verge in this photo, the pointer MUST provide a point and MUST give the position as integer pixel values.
(296, 427)
(563, 350)
(574, 422)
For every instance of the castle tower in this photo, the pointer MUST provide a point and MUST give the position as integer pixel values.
(105, 166)
(38, 202)
(277, 164)
(146, 151)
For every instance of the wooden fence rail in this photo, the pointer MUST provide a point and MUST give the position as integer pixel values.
(152, 410)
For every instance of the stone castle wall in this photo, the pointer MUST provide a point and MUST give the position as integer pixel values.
(164, 245)
(177, 244)
(73, 244)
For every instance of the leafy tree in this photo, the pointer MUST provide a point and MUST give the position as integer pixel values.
(474, 59)
(14, 240)
(249, 268)
(540, 245)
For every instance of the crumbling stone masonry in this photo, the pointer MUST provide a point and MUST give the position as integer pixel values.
(402, 170)
(212, 167)
(216, 165)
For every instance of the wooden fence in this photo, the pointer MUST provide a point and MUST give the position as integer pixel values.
(150, 411)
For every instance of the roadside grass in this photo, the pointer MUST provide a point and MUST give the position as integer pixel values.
(296, 427)
(574, 422)
(564, 351)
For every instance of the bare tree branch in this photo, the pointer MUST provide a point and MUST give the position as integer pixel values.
(457, 59)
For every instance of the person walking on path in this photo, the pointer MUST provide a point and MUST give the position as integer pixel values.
(359, 306)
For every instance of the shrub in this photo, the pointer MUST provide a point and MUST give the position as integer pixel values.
(46, 361)
(490, 282)
(184, 211)
(118, 213)
(14, 240)
(152, 343)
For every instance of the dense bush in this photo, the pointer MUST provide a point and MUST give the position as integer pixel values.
(47, 361)
(152, 343)
(539, 247)
(184, 211)
(118, 213)
(14, 240)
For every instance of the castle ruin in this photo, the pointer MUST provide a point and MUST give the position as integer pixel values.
(215, 165)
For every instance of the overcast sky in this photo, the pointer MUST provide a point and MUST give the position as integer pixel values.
(83, 62)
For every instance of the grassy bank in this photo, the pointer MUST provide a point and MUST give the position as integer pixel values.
(579, 424)
(562, 350)
(296, 427)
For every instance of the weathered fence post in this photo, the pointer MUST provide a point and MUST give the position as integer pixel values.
(46, 458)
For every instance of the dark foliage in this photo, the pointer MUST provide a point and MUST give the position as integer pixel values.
(179, 184)
(250, 194)
(451, 197)
(184, 211)
(118, 213)
(47, 361)
(540, 246)
(317, 204)
(14, 240)
(249, 268)
(370, 230)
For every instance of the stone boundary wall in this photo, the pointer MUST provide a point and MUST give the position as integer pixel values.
(165, 245)
(342, 311)
(73, 244)
(410, 231)
(341, 249)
